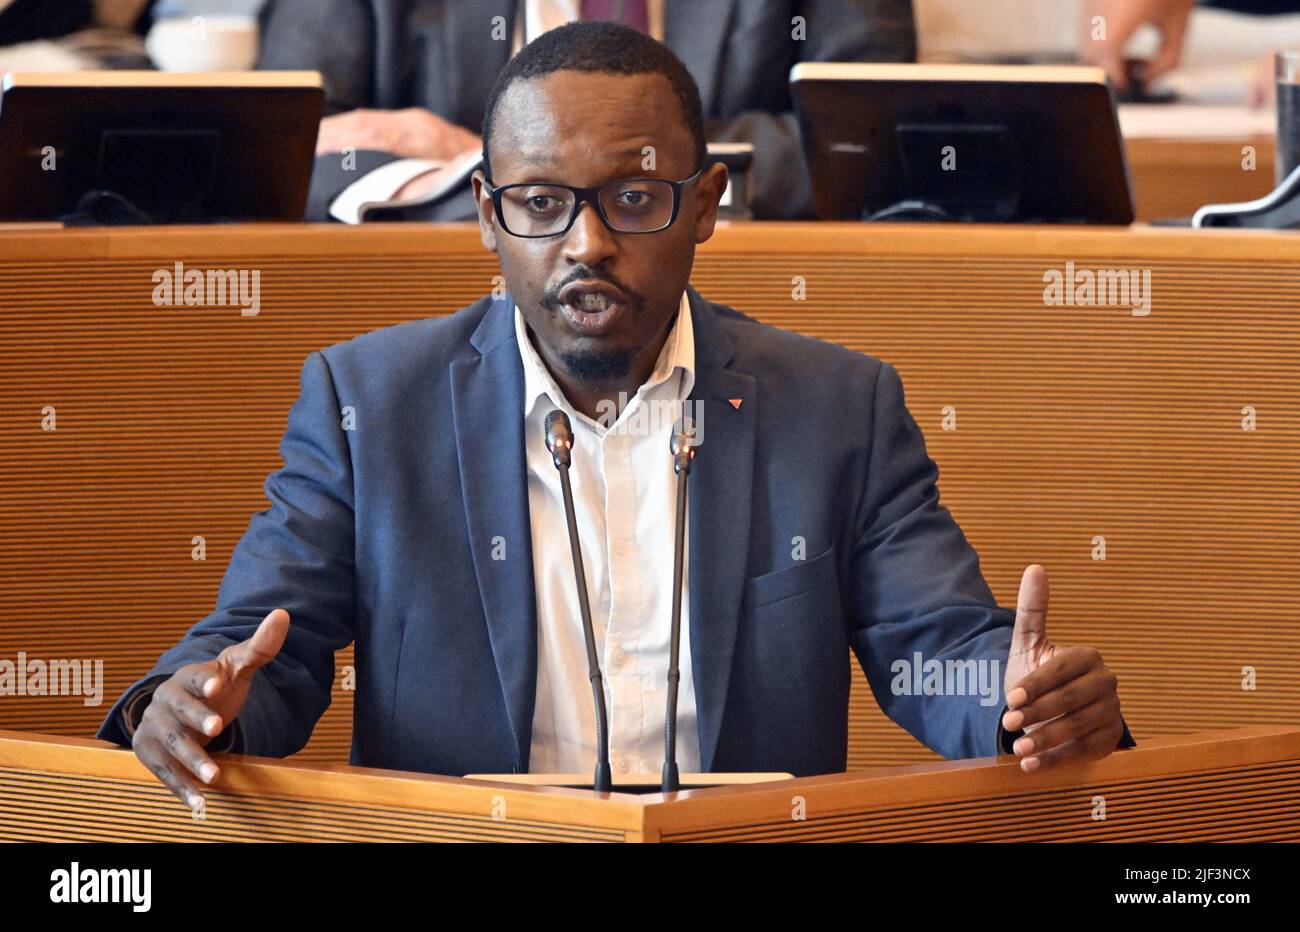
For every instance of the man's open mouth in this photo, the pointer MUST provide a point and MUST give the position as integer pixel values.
(591, 308)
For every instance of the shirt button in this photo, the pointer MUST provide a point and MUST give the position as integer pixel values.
(616, 443)
(619, 657)
(621, 764)
(620, 548)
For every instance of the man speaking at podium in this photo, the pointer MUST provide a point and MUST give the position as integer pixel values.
(420, 513)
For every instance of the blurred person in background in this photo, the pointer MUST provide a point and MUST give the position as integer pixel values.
(72, 35)
(406, 80)
(1214, 55)
(28, 20)
(964, 32)
(163, 9)
(1170, 19)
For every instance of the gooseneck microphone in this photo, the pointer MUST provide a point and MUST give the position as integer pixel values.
(559, 441)
(682, 443)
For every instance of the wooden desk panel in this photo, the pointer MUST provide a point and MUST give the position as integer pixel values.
(1072, 422)
(71, 789)
(1173, 177)
(1241, 785)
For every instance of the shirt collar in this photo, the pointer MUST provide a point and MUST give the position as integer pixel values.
(676, 360)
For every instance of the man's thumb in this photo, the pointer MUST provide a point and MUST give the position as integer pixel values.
(261, 648)
(1031, 610)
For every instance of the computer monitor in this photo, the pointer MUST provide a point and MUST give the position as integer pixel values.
(152, 147)
(984, 143)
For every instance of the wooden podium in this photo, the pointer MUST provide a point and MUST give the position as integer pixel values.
(1239, 785)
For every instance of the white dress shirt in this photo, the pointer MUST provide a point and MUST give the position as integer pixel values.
(624, 493)
(382, 184)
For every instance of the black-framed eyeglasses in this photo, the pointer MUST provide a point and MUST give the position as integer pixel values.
(636, 205)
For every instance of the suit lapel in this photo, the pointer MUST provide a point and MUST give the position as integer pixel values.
(487, 405)
(721, 487)
(696, 32)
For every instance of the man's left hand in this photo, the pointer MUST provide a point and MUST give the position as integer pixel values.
(1065, 698)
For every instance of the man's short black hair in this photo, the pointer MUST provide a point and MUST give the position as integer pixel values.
(599, 47)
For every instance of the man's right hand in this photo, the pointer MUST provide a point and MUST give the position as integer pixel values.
(199, 700)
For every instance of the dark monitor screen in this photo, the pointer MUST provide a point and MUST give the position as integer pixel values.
(963, 143)
(175, 147)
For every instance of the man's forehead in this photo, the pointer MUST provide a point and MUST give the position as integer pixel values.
(548, 127)
(528, 158)
(566, 102)
(565, 87)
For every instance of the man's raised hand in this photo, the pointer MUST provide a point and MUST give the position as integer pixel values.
(1065, 698)
(193, 706)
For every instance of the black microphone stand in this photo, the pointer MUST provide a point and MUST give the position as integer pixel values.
(682, 445)
(559, 440)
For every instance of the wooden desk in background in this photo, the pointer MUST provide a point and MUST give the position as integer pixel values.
(1242, 785)
(1173, 177)
(1075, 424)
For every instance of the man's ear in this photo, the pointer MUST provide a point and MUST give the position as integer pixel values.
(487, 221)
(708, 194)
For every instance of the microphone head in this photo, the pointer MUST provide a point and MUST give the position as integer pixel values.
(559, 437)
(683, 440)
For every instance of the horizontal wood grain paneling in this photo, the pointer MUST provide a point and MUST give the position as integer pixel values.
(1071, 422)
(1238, 785)
(1173, 177)
(54, 789)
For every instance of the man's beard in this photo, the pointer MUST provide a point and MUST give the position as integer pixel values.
(598, 367)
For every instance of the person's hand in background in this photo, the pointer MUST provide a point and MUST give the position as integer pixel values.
(1262, 93)
(192, 707)
(410, 133)
(1103, 42)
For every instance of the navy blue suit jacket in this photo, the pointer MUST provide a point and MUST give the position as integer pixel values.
(384, 534)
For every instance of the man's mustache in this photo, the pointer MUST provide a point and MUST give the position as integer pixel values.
(552, 296)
